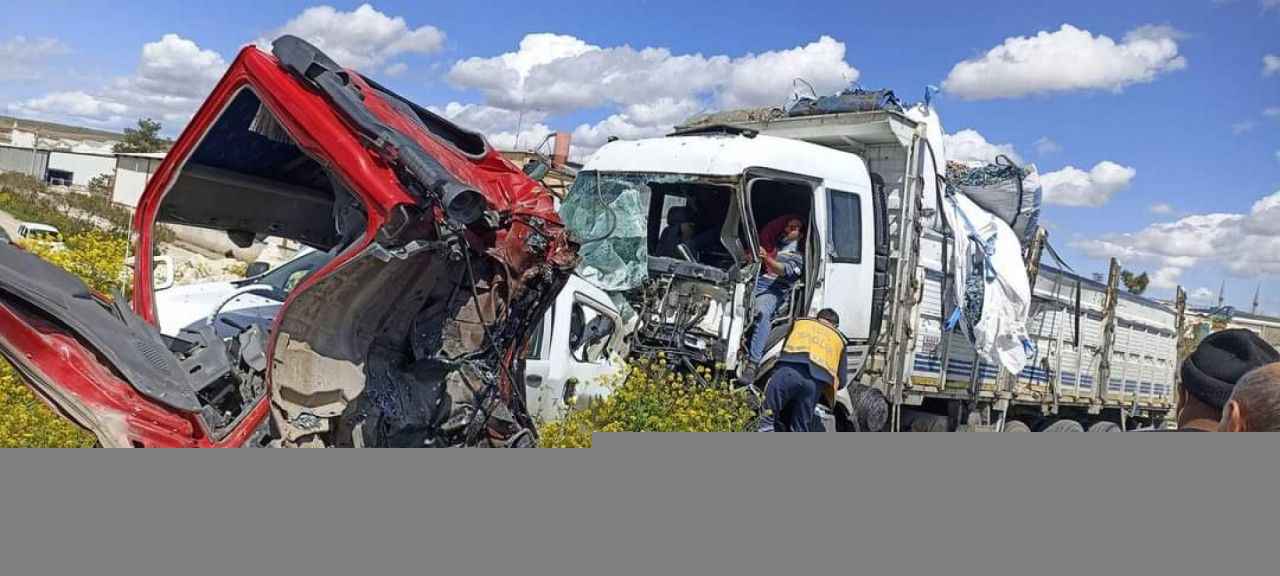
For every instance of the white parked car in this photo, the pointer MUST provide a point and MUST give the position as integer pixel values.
(40, 233)
(234, 305)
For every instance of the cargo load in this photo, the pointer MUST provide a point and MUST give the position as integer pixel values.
(1003, 188)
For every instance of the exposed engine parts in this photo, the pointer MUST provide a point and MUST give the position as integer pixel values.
(683, 315)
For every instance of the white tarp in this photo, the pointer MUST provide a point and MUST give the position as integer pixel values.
(992, 291)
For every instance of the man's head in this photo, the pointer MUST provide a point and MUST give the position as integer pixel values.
(1255, 403)
(830, 317)
(793, 231)
(1210, 373)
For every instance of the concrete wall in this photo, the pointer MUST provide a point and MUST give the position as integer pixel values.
(84, 167)
(132, 176)
(24, 160)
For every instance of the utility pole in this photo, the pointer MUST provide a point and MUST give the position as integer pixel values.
(1222, 294)
(1257, 295)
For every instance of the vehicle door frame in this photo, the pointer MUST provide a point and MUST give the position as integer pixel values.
(814, 261)
(556, 364)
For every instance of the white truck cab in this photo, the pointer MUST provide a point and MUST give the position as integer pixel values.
(674, 224)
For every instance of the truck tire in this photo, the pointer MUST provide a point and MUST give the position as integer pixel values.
(929, 423)
(1105, 426)
(1063, 425)
(1016, 426)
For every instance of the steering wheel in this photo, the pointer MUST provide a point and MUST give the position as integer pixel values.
(250, 289)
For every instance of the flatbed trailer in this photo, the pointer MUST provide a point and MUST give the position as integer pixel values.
(1104, 360)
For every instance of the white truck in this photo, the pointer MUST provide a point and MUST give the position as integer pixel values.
(670, 225)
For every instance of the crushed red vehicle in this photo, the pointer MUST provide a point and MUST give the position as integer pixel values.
(445, 256)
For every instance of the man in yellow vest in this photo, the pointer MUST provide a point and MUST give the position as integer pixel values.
(813, 362)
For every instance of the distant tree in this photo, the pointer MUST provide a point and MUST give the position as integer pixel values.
(1136, 283)
(144, 138)
(100, 185)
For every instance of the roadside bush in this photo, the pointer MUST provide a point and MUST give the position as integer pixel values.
(72, 213)
(96, 257)
(26, 421)
(652, 397)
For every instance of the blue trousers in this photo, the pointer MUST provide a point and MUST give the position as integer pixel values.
(790, 398)
(769, 295)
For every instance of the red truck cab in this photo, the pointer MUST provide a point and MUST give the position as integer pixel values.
(445, 256)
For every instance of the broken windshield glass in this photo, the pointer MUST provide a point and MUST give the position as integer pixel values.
(608, 214)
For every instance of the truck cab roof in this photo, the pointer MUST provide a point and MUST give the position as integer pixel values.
(728, 155)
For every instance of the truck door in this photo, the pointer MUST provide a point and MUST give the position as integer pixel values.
(570, 351)
(844, 214)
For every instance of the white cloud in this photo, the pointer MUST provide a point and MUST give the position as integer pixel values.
(970, 147)
(1246, 245)
(361, 38)
(173, 77)
(1072, 186)
(1203, 295)
(560, 73)
(1243, 127)
(1069, 59)
(644, 91)
(1162, 208)
(505, 129)
(1270, 65)
(1046, 146)
(22, 58)
(1165, 278)
(78, 104)
(1272, 112)
(395, 69)
(1269, 4)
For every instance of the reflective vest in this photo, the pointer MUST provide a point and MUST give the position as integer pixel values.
(819, 346)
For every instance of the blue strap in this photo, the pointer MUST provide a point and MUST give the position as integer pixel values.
(956, 315)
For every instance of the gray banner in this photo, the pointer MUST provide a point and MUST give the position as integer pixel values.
(657, 504)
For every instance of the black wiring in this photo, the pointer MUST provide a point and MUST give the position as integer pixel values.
(613, 216)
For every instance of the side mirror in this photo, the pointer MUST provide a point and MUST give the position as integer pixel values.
(162, 271)
(256, 269)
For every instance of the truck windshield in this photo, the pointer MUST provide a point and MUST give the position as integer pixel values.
(623, 218)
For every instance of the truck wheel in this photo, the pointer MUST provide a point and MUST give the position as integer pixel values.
(1063, 425)
(1016, 426)
(1105, 426)
(929, 423)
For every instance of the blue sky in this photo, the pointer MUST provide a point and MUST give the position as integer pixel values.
(1168, 130)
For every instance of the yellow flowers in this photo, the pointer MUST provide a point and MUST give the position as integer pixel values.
(96, 257)
(655, 398)
(25, 421)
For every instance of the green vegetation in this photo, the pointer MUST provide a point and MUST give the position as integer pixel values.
(26, 421)
(652, 397)
(1135, 283)
(144, 138)
(28, 199)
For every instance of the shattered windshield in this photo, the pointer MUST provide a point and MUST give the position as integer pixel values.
(609, 214)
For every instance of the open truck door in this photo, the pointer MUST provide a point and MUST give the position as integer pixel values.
(445, 257)
(573, 350)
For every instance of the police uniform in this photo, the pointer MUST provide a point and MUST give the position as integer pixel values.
(813, 362)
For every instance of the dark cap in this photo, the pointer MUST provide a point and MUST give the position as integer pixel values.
(1210, 373)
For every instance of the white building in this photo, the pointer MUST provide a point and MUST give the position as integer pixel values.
(133, 171)
(78, 168)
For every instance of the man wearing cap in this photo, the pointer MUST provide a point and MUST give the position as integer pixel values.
(1210, 374)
